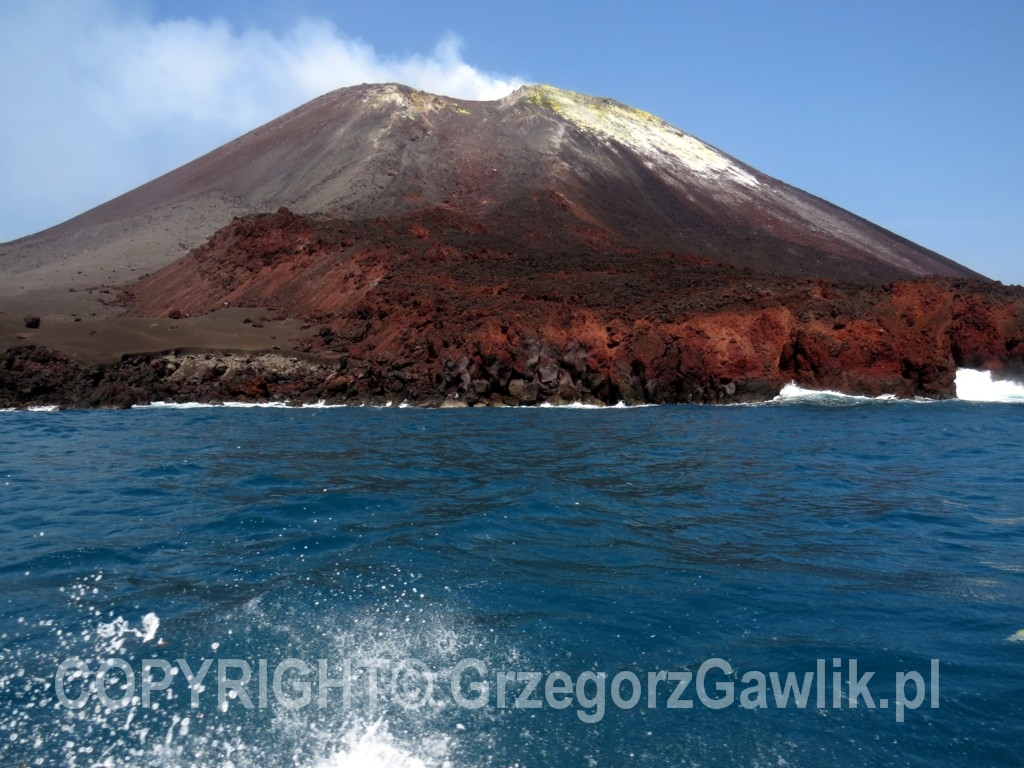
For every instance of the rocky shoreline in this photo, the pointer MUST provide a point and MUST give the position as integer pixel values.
(35, 376)
(906, 339)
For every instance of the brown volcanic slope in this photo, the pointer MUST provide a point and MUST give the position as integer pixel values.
(382, 150)
(545, 247)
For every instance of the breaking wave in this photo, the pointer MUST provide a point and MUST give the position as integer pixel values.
(979, 387)
(792, 393)
(971, 386)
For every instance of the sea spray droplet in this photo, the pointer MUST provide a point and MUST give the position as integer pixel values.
(373, 745)
(150, 625)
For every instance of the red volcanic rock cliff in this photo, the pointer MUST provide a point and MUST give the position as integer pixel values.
(432, 306)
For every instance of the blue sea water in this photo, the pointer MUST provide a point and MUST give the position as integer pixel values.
(713, 542)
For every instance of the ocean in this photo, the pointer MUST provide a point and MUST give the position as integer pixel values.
(821, 580)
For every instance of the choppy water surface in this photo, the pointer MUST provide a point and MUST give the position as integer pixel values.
(638, 541)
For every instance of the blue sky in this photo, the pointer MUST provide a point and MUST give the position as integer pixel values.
(908, 113)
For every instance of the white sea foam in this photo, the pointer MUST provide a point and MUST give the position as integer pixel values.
(979, 387)
(792, 392)
(177, 406)
(591, 406)
(390, 404)
(373, 746)
(971, 385)
(234, 404)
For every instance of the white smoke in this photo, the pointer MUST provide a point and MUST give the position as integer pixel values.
(97, 101)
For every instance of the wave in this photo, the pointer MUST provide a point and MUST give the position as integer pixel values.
(971, 386)
(979, 387)
(793, 393)
(389, 404)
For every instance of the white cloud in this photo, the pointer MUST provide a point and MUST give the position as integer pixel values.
(97, 101)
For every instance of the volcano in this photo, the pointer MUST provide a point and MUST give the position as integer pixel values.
(384, 243)
(385, 150)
